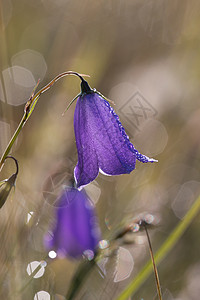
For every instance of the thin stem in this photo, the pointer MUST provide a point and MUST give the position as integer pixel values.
(16, 163)
(10, 144)
(44, 89)
(154, 265)
(29, 109)
(162, 252)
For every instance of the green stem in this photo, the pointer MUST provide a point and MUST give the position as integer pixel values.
(162, 252)
(80, 276)
(29, 107)
(10, 144)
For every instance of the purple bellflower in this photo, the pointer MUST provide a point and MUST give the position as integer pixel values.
(101, 140)
(76, 231)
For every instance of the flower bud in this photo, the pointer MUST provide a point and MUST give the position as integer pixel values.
(76, 231)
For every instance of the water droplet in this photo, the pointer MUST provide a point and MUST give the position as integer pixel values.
(43, 263)
(89, 254)
(52, 254)
(103, 244)
(135, 227)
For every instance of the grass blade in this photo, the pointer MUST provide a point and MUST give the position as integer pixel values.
(162, 252)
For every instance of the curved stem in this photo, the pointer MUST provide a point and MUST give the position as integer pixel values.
(44, 89)
(29, 109)
(16, 163)
(10, 144)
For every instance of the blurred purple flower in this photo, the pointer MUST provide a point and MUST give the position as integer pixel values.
(101, 140)
(76, 231)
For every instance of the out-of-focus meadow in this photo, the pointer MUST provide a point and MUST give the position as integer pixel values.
(143, 55)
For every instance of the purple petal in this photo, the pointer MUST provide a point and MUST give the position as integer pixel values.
(87, 168)
(76, 228)
(102, 142)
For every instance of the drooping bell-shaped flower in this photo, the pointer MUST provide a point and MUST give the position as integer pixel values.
(101, 140)
(76, 231)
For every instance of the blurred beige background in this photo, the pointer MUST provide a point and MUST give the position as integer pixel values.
(145, 56)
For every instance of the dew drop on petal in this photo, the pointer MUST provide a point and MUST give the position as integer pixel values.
(42, 295)
(32, 266)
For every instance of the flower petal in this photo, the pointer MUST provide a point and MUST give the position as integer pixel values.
(101, 141)
(110, 142)
(87, 168)
(76, 229)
